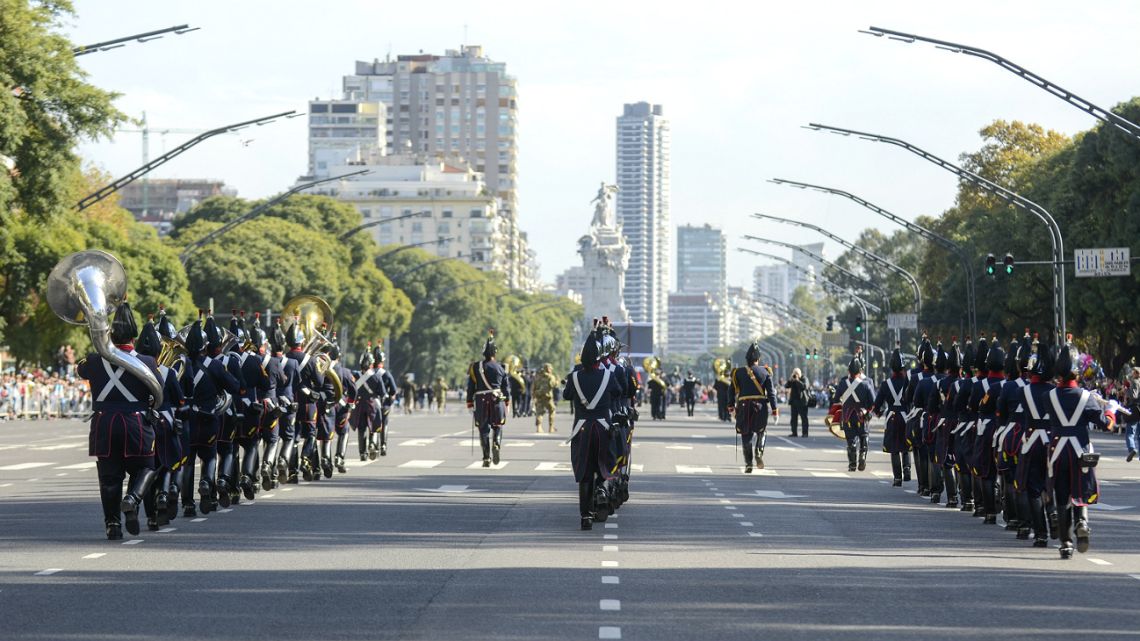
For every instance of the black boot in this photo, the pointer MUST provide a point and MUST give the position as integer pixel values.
(341, 450)
(1082, 529)
(906, 473)
(1065, 525)
(326, 459)
(139, 486)
(114, 531)
(384, 441)
(862, 453)
(485, 443)
(851, 458)
(496, 445)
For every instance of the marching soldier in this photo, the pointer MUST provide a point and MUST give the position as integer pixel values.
(751, 398)
(544, 388)
(1010, 412)
(941, 405)
(176, 452)
(918, 393)
(983, 401)
(379, 438)
(964, 438)
(1032, 472)
(924, 394)
(122, 435)
(261, 373)
(890, 400)
(720, 386)
(364, 411)
(234, 416)
(689, 392)
(1072, 461)
(488, 394)
(160, 506)
(592, 389)
(657, 397)
(313, 392)
(344, 407)
(275, 436)
(854, 397)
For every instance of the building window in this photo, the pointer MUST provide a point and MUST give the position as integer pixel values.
(319, 109)
(476, 213)
(344, 109)
(446, 213)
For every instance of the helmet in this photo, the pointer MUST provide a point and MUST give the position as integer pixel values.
(295, 336)
(166, 329)
(981, 355)
(968, 354)
(237, 326)
(378, 355)
(1011, 363)
(257, 336)
(277, 338)
(366, 361)
(1041, 360)
(123, 327)
(196, 337)
(149, 343)
(1024, 351)
(334, 352)
(590, 350)
(925, 353)
(856, 364)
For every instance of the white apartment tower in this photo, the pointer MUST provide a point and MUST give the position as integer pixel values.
(462, 105)
(643, 211)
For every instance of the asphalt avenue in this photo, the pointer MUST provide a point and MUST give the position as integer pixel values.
(425, 544)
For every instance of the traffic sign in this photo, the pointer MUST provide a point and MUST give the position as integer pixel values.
(834, 339)
(902, 321)
(1105, 261)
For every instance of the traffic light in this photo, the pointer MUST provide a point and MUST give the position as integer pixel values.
(859, 325)
(1008, 262)
(814, 354)
(991, 264)
(807, 354)
(831, 323)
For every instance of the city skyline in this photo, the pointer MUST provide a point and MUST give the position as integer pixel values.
(741, 127)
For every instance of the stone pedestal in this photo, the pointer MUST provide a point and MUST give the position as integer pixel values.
(605, 257)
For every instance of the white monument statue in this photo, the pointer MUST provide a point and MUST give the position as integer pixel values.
(605, 257)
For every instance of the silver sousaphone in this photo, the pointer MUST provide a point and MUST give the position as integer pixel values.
(84, 289)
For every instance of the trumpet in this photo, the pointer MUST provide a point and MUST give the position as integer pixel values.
(84, 289)
(314, 315)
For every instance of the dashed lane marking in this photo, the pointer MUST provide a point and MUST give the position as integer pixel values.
(611, 526)
(287, 489)
(737, 515)
(23, 466)
(198, 520)
(725, 501)
(609, 548)
(755, 534)
(61, 474)
(494, 466)
(698, 436)
(609, 632)
(610, 564)
(746, 523)
(610, 537)
(551, 466)
(519, 444)
(831, 475)
(678, 447)
(5, 485)
(611, 580)
(48, 572)
(417, 442)
(421, 464)
(791, 442)
(133, 542)
(880, 473)
(612, 605)
(167, 530)
(95, 555)
(1097, 561)
(61, 446)
(693, 469)
(720, 494)
(268, 496)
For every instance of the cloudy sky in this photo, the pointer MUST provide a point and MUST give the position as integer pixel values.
(737, 81)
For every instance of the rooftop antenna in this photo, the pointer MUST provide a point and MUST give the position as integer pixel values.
(464, 34)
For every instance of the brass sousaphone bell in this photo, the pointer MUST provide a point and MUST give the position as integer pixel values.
(313, 314)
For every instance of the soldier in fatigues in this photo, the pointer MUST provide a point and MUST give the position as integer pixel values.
(592, 389)
(854, 397)
(544, 389)
(488, 394)
(752, 397)
(1072, 462)
(122, 435)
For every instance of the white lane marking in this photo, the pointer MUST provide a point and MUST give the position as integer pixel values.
(726, 501)
(548, 466)
(33, 480)
(611, 526)
(133, 542)
(773, 494)
(421, 464)
(267, 496)
(693, 469)
(911, 491)
(755, 534)
(881, 474)
(450, 489)
(610, 537)
(1135, 576)
(714, 489)
(885, 482)
(637, 467)
(417, 442)
(62, 446)
(225, 510)
(494, 466)
(167, 530)
(48, 572)
(198, 520)
(519, 444)
(6, 485)
(287, 489)
(611, 580)
(698, 436)
(765, 472)
(1097, 561)
(609, 564)
(791, 442)
(95, 555)
(609, 632)
(62, 474)
(23, 466)
(746, 523)
(831, 475)
(609, 548)
(729, 507)
(609, 604)
(719, 494)
(678, 447)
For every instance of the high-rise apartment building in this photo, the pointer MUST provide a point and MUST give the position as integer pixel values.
(643, 212)
(461, 104)
(701, 260)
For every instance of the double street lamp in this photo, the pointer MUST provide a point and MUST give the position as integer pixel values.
(138, 37)
(836, 266)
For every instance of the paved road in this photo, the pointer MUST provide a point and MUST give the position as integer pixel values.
(424, 545)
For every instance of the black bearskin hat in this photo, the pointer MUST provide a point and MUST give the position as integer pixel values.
(366, 360)
(1011, 357)
(995, 357)
(123, 327)
(489, 347)
(941, 358)
(213, 334)
(149, 343)
(277, 338)
(896, 362)
(590, 350)
(257, 336)
(1068, 365)
(295, 336)
(1041, 360)
(856, 364)
(925, 353)
(166, 329)
(378, 355)
(981, 355)
(954, 356)
(196, 338)
(1024, 351)
(968, 355)
(752, 356)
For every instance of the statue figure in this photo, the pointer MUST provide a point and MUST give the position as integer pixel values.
(602, 207)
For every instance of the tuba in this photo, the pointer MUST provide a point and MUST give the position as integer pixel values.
(720, 367)
(84, 289)
(315, 315)
(512, 364)
(173, 354)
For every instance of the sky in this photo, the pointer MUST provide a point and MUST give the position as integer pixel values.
(737, 81)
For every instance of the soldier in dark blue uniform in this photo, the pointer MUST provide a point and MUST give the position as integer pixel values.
(344, 406)
(891, 401)
(1007, 439)
(720, 387)
(160, 505)
(261, 374)
(983, 401)
(1072, 462)
(488, 394)
(620, 422)
(321, 450)
(273, 467)
(752, 396)
(924, 396)
(230, 353)
(364, 411)
(1033, 460)
(313, 390)
(689, 392)
(177, 450)
(967, 423)
(941, 405)
(379, 438)
(122, 436)
(855, 398)
(918, 394)
(592, 390)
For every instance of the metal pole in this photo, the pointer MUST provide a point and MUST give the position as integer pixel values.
(107, 45)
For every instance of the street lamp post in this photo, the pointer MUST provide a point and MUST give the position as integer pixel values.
(381, 221)
(1013, 198)
(139, 37)
(967, 267)
(1100, 113)
(119, 183)
(395, 279)
(253, 213)
(836, 287)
